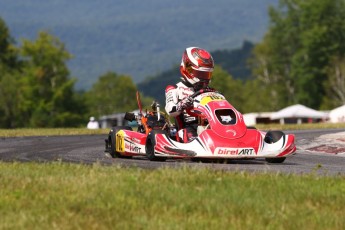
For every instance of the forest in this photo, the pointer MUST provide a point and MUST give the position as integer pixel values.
(301, 59)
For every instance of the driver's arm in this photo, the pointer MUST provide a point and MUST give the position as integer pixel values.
(171, 101)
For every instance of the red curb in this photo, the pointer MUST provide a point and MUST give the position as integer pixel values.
(327, 149)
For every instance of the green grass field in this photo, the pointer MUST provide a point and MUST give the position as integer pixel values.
(50, 132)
(74, 196)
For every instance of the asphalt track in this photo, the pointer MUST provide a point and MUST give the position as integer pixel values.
(318, 152)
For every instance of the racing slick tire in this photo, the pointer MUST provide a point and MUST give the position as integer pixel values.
(150, 146)
(112, 141)
(272, 137)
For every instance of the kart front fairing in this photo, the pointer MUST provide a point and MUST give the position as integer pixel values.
(225, 136)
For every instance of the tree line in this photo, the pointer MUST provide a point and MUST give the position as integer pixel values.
(301, 59)
(36, 89)
(302, 56)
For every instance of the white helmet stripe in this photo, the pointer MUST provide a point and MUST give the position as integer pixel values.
(204, 69)
(189, 53)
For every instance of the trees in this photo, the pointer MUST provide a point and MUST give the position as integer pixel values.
(9, 90)
(228, 86)
(300, 60)
(235, 61)
(48, 98)
(335, 86)
(294, 57)
(35, 88)
(8, 58)
(110, 94)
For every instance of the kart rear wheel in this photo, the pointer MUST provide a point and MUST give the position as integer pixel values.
(112, 141)
(150, 146)
(276, 160)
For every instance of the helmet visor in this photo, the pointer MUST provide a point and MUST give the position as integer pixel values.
(204, 75)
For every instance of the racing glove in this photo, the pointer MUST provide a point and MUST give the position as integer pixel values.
(185, 104)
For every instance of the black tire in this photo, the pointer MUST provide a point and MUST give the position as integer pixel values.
(276, 160)
(273, 136)
(112, 141)
(150, 146)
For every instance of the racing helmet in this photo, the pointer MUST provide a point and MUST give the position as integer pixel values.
(197, 67)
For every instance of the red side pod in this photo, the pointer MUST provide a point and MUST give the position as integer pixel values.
(136, 137)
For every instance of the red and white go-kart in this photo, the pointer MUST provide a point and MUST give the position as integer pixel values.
(221, 134)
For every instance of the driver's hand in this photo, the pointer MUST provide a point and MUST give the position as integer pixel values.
(185, 104)
(210, 88)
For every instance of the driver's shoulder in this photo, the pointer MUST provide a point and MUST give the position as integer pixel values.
(169, 87)
(184, 87)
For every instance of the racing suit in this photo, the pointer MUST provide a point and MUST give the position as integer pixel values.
(177, 105)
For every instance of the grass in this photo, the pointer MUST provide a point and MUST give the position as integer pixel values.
(72, 196)
(75, 196)
(50, 132)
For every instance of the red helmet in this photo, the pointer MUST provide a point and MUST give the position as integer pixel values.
(197, 66)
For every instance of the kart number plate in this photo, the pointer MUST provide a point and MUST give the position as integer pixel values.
(120, 141)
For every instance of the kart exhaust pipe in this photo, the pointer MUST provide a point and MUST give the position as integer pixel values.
(106, 145)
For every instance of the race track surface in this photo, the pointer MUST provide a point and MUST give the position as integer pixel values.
(318, 151)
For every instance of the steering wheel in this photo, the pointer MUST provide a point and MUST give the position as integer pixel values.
(206, 90)
(193, 112)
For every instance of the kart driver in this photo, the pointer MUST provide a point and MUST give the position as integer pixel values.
(196, 69)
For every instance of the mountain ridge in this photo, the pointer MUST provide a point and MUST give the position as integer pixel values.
(137, 38)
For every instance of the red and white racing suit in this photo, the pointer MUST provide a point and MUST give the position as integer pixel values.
(185, 123)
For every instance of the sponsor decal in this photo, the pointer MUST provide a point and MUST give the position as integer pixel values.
(208, 99)
(189, 119)
(226, 119)
(234, 152)
(169, 98)
(135, 140)
(132, 148)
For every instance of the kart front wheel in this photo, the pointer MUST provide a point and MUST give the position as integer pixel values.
(273, 136)
(150, 146)
(112, 141)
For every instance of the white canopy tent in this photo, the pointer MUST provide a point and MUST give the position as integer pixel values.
(298, 111)
(337, 115)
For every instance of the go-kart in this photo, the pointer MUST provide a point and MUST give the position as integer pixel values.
(221, 134)
(123, 142)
